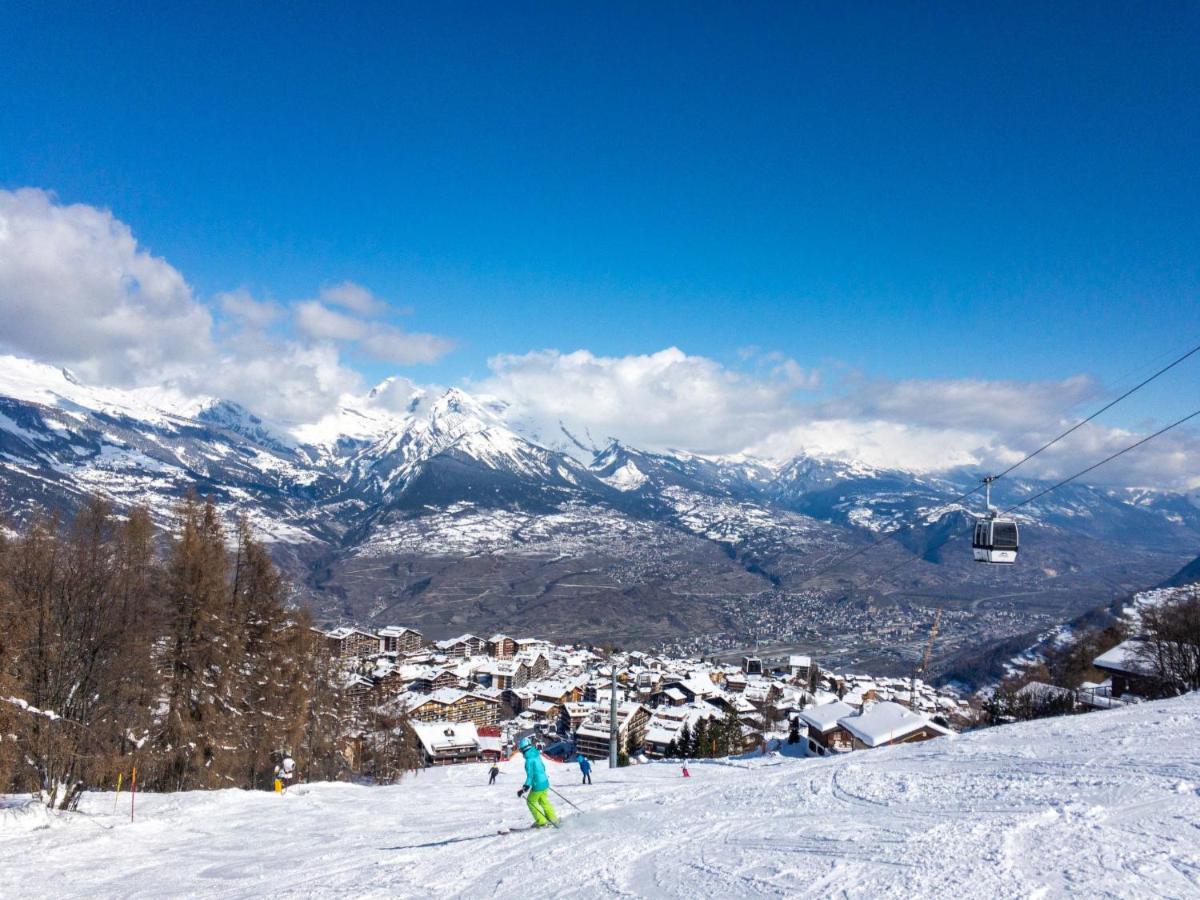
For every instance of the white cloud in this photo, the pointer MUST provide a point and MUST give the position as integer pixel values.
(77, 290)
(322, 323)
(405, 348)
(659, 400)
(671, 399)
(377, 339)
(353, 297)
(242, 307)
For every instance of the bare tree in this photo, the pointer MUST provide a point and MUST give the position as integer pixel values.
(1170, 647)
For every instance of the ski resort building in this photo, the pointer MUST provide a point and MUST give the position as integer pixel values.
(882, 724)
(592, 737)
(397, 639)
(449, 705)
(1129, 673)
(501, 646)
(824, 731)
(352, 643)
(447, 743)
(462, 647)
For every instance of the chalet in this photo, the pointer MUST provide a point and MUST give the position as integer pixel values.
(501, 646)
(532, 666)
(397, 639)
(824, 732)
(887, 723)
(572, 715)
(532, 646)
(664, 726)
(447, 743)
(543, 710)
(679, 692)
(352, 643)
(421, 680)
(591, 739)
(359, 694)
(450, 705)
(463, 646)
(1126, 666)
(501, 674)
(800, 666)
(392, 682)
(558, 692)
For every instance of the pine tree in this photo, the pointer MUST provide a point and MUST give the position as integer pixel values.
(686, 747)
(701, 740)
(201, 657)
(731, 732)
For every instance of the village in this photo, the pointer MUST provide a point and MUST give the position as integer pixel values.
(470, 699)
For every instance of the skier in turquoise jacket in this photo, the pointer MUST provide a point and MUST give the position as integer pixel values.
(536, 786)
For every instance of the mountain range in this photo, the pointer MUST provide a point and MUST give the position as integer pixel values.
(441, 511)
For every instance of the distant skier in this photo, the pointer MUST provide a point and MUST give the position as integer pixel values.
(585, 766)
(284, 773)
(492, 773)
(685, 771)
(536, 785)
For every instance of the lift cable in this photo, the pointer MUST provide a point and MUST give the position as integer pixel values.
(938, 510)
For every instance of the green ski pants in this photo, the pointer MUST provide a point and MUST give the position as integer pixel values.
(539, 806)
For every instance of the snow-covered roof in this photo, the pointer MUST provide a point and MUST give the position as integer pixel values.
(883, 723)
(799, 662)
(1124, 658)
(440, 737)
(825, 718)
(396, 630)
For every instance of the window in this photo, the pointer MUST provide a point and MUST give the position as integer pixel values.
(1004, 536)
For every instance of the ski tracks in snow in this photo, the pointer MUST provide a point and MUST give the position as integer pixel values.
(1103, 805)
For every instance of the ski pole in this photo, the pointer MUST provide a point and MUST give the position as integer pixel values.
(564, 799)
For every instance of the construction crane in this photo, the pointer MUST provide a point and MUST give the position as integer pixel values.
(912, 694)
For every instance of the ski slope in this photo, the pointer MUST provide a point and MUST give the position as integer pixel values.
(1103, 805)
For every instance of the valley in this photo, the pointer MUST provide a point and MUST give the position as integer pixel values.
(439, 512)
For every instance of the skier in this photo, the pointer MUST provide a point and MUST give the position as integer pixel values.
(585, 766)
(492, 773)
(685, 771)
(536, 785)
(284, 773)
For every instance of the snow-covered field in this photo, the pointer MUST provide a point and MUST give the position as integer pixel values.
(1103, 805)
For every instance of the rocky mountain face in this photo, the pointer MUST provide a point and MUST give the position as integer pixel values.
(440, 514)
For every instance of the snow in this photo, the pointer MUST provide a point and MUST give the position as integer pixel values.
(1123, 658)
(825, 717)
(627, 478)
(1102, 805)
(882, 723)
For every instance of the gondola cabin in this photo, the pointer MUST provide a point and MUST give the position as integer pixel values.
(995, 541)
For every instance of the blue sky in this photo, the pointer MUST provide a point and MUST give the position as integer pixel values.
(910, 191)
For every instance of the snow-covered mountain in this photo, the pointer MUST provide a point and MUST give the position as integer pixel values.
(1100, 805)
(440, 507)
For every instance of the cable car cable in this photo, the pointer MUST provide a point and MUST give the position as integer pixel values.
(1103, 409)
(956, 532)
(884, 537)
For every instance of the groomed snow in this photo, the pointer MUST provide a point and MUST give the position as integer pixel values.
(1103, 805)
